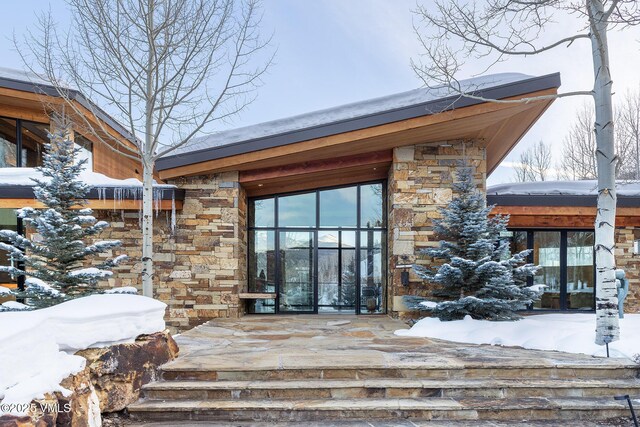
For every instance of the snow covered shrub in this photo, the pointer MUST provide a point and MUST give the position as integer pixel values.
(53, 258)
(479, 276)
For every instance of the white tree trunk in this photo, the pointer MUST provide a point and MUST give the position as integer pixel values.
(607, 327)
(147, 231)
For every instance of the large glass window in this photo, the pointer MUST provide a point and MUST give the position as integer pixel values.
(567, 266)
(580, 270)
(8, 221)
(21, 143)
(319, 251)
(8, 143)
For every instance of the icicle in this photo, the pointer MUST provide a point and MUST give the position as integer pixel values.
(122, 215)
(173, 212)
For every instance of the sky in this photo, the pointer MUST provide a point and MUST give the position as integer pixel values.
(332, 52)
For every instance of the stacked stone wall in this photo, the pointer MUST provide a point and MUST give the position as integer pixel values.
(201, 267)
(420, 182)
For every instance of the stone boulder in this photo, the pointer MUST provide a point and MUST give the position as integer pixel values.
(118, 372)
(79, 408)
(110, 381)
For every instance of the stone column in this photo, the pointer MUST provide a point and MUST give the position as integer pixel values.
(420, 182)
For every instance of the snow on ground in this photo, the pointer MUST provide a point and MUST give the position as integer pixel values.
(553, 188)
(122, 290)
(4, 290)
(572, 333)
(36, 347)
(23, 176)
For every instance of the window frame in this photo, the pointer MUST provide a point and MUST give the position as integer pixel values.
(315, 230)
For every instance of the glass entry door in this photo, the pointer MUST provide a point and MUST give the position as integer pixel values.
(318, 252)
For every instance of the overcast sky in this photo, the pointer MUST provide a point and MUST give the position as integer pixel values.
(331, 52)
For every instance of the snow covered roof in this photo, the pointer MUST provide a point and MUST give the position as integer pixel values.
(564, 188)
(23, 177)
(349, 117)
(17, 183)
(559, 193)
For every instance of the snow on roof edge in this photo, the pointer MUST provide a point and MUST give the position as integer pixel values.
(349, 111)
(561, 188)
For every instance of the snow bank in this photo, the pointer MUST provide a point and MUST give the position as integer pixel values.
(572, 333)
(122, 290)
(36, 347)
(23, 176)
(557, 188)
(4, 291)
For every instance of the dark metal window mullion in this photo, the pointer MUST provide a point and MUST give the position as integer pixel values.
(563, 270)
(277, 255)
(358, 228)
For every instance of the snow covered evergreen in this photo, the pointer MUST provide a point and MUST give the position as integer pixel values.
(53, 258)
(479, 276)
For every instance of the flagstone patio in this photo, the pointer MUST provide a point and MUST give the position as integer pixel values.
(333, 369)
(317, 341)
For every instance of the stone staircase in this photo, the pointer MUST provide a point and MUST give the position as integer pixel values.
(567, 393)
(314, 373)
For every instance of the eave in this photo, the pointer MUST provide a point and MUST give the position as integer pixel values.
(20, 196)
(499, 126)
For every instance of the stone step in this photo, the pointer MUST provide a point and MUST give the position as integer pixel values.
(391, 388)
(560, 371)
(534, 409)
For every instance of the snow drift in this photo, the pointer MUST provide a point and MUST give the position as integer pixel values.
(572, 333)
(36, 347)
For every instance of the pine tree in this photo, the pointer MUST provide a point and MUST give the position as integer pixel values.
(479, 276)
(53, 258)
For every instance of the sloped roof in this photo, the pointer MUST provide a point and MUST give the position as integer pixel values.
(29, 82)
(354, 116)
(559, 193)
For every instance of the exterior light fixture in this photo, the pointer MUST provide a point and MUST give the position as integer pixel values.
(404, 274)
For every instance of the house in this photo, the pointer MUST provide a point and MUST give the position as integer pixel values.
(556, 220)
(321, 212)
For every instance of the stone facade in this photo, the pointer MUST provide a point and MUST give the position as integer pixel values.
(630, 263)
(420, 182)
(201, 267)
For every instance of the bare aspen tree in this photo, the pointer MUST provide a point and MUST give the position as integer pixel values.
(167, 70)
(534, 164)
(455, 31)
(578, 159)
(628, 135)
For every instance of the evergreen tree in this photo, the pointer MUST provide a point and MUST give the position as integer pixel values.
(52, 259)
(479, 277)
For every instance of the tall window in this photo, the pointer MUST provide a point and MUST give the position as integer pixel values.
(319, 251)
(21, 143)
(567, 266)
(8, 221)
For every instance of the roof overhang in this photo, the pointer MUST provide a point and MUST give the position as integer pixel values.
(499, 126)
(33, 101)
(560, 211)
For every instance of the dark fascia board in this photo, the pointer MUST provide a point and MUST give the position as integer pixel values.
(556, 200)
(107, 193)
(507, 90)
(48, 90)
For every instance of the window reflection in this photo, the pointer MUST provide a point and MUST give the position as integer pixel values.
(337, 265)
(580, 270)
(371, 206)
(297, 211)
(546, 254)
(338, 208)
(8, 148)
(8, 221)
